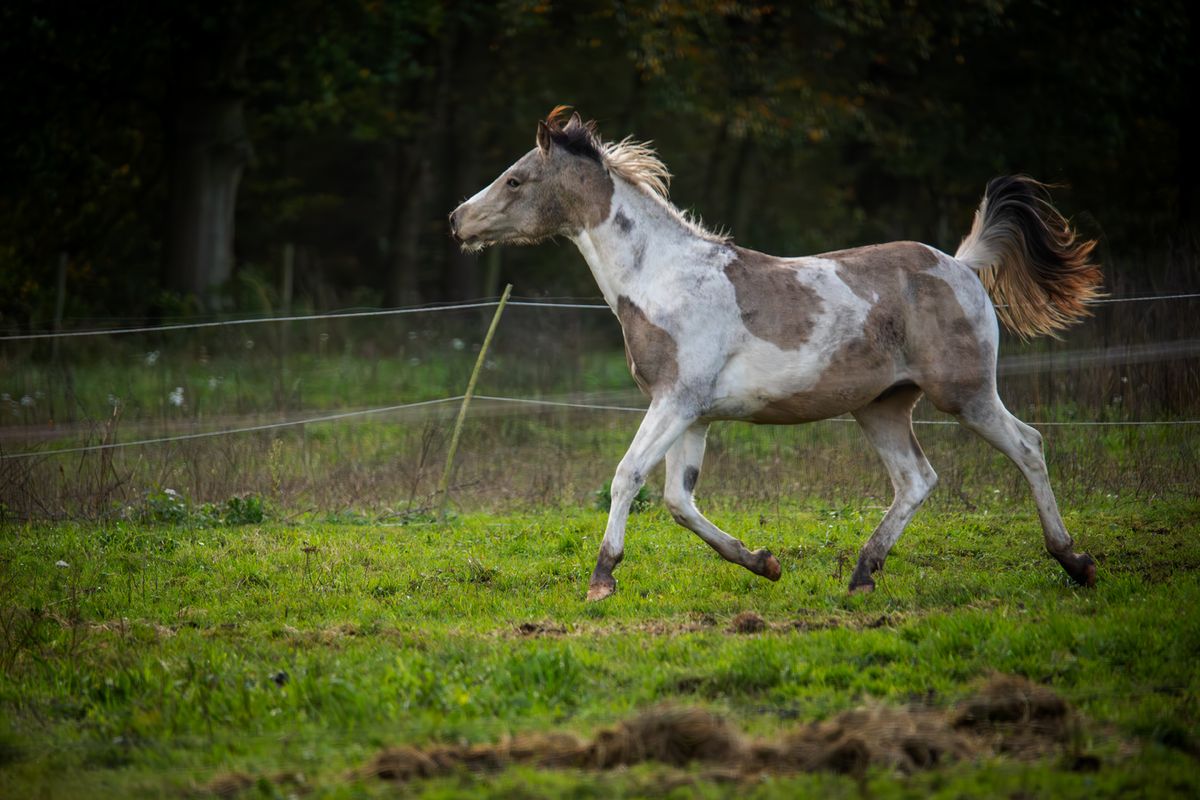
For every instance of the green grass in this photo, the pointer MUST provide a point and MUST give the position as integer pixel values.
(161, 656)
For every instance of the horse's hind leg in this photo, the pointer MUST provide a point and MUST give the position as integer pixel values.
(887, 423)
(683, 470)
(988, 417)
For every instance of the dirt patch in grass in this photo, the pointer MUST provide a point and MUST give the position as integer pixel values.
(233, 784)
(540, 629)
(228, 784)
(743, 622)
(747, 622)
(1008, 715)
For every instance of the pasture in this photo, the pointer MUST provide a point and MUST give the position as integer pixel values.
(254, 543)
(279, 659)
(274, 613)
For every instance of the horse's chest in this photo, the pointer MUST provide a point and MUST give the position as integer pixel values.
(651, 352)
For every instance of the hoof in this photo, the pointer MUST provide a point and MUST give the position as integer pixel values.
(1080, 566)
(599, 591)
(863, 588)
(861, 581)
(768, 565)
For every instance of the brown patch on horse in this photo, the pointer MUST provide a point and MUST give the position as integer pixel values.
(915, 319)
(950, 362)
(880, 275)
(796, 409)
(915, 313)
(650, 351)
(873, 271)
(858, 372)
(583, 197)
(775, 306)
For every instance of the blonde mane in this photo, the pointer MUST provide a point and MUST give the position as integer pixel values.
(636, 163)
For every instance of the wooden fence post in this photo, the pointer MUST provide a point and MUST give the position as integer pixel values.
(444, 486)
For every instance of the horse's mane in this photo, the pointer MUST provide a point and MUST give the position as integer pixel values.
(635, 162)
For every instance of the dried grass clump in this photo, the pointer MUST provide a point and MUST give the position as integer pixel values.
(675, 736)
(747, 622)
(1008, 715)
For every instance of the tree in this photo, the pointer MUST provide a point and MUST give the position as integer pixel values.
(208, 146)
(170, 146)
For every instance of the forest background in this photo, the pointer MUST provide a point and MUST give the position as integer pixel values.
(166, 160)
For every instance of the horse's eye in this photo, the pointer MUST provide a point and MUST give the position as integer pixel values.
(513, 183)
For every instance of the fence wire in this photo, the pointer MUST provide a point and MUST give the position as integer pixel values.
(525, 401)
(284, 414)
(423, 309)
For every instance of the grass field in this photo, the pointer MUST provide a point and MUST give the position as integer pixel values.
(143, 660)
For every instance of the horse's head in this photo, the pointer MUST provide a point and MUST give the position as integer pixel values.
(559, 188)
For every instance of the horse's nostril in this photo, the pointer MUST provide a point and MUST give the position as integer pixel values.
(454, 222)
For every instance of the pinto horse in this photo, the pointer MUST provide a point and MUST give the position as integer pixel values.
(714, 331)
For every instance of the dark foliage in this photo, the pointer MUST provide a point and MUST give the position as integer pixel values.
(347, 129)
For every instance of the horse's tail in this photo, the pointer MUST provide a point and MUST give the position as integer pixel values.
(1035, 268)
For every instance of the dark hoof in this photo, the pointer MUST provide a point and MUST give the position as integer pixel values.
(767, 565)
(1080, 567)
(598, 590)
(861, 581)
(862, 587)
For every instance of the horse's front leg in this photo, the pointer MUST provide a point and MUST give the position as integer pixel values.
(664, 422)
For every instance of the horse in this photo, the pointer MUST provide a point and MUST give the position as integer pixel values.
(714, 331)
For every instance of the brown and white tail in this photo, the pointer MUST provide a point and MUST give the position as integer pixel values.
(1036, 269)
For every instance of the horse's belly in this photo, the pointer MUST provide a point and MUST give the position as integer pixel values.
(798, 407)
(806, 386)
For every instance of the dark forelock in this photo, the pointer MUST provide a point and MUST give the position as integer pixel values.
(574, 135)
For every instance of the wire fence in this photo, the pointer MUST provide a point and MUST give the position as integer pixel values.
(421, 309)
(217, 412)
(526, 401)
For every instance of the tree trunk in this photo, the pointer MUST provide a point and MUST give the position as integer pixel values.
(209, 149)
(462, 270)
(1189, 166)
(427, 175)
(206, 167)
(412, 180)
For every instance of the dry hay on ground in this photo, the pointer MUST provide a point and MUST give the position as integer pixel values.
(743, 622)
(229, 784)
(747, 622)
(1008, 715)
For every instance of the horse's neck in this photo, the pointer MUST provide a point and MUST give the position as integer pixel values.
(640, 234)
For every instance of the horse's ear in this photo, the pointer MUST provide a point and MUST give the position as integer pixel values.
(576, 120)
(543, 137)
